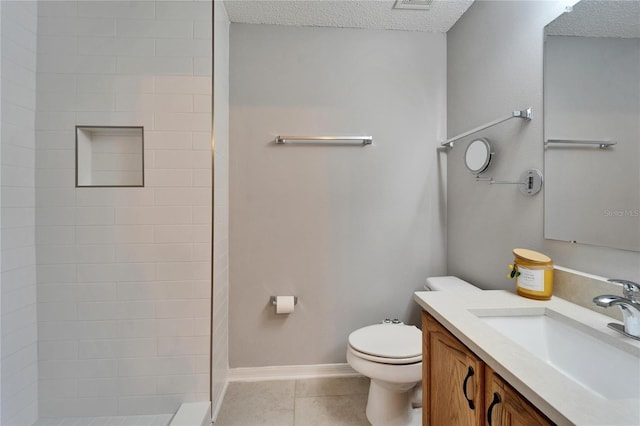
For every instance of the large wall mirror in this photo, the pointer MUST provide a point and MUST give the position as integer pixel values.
(592, 125)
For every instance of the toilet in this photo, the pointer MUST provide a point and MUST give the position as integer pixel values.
(390, 354)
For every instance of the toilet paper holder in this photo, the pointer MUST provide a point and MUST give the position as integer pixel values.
(273, 299)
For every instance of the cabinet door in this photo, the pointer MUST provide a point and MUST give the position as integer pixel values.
(453, 379)
(506, 407)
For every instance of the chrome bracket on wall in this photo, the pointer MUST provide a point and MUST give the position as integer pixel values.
(530, 182)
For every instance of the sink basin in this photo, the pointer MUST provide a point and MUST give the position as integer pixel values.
(584, 355)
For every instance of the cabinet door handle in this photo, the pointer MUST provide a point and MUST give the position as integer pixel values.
(496, 400)
(470, 374)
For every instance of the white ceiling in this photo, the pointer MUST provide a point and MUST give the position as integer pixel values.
(599, 18)
(370, 14)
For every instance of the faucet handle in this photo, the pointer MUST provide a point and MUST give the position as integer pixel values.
(630, 289)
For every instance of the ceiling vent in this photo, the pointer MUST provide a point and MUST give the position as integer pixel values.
(413, 4)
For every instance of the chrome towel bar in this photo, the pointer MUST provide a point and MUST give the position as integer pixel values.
(577, 142)
(524, 114)
(363, 140)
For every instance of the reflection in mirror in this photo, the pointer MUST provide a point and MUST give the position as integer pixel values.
(591, 98)
(478, 156)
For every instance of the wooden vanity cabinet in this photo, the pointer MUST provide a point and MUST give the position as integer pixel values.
(459, 389)
(452, 379)
(506, 407)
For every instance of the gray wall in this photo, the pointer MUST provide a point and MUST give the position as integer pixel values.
(494, 65)
(352, 231)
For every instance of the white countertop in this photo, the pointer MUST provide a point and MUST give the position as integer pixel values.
(561, 399)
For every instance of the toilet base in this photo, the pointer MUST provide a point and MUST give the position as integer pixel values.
(386, 407)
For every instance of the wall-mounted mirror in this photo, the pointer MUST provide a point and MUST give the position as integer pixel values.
(592, 125)
(478, 155)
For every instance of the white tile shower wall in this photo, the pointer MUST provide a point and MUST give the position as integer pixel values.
(220, 346)
(124, 273)
(18, 362)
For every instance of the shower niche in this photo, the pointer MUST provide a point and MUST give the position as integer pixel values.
(109, 156)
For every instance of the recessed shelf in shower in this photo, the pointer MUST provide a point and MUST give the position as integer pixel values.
(109, 156)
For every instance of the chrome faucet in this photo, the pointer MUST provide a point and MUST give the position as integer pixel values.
(629, 304)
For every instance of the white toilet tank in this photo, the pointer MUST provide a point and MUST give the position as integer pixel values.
(448, 283)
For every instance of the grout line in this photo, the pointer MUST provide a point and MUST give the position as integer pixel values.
(293, 411)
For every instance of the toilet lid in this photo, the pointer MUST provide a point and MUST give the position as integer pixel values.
(388, 340)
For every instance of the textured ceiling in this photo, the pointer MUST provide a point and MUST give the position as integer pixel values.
(599, 18)
(370, 14)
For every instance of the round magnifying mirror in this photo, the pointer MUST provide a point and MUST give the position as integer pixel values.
(478, 156)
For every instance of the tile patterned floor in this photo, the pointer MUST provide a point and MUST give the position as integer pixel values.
(310, 402)
(337, 401)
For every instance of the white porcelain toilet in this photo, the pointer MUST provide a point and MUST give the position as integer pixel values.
(390, 354)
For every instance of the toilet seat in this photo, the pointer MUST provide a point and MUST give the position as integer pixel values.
(387, 343)
(382, 360)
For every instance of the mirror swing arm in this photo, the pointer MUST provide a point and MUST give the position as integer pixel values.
(530, 181)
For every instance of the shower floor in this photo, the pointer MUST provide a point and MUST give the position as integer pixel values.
(151, 420)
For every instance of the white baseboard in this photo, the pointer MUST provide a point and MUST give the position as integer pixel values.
(290, 372)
